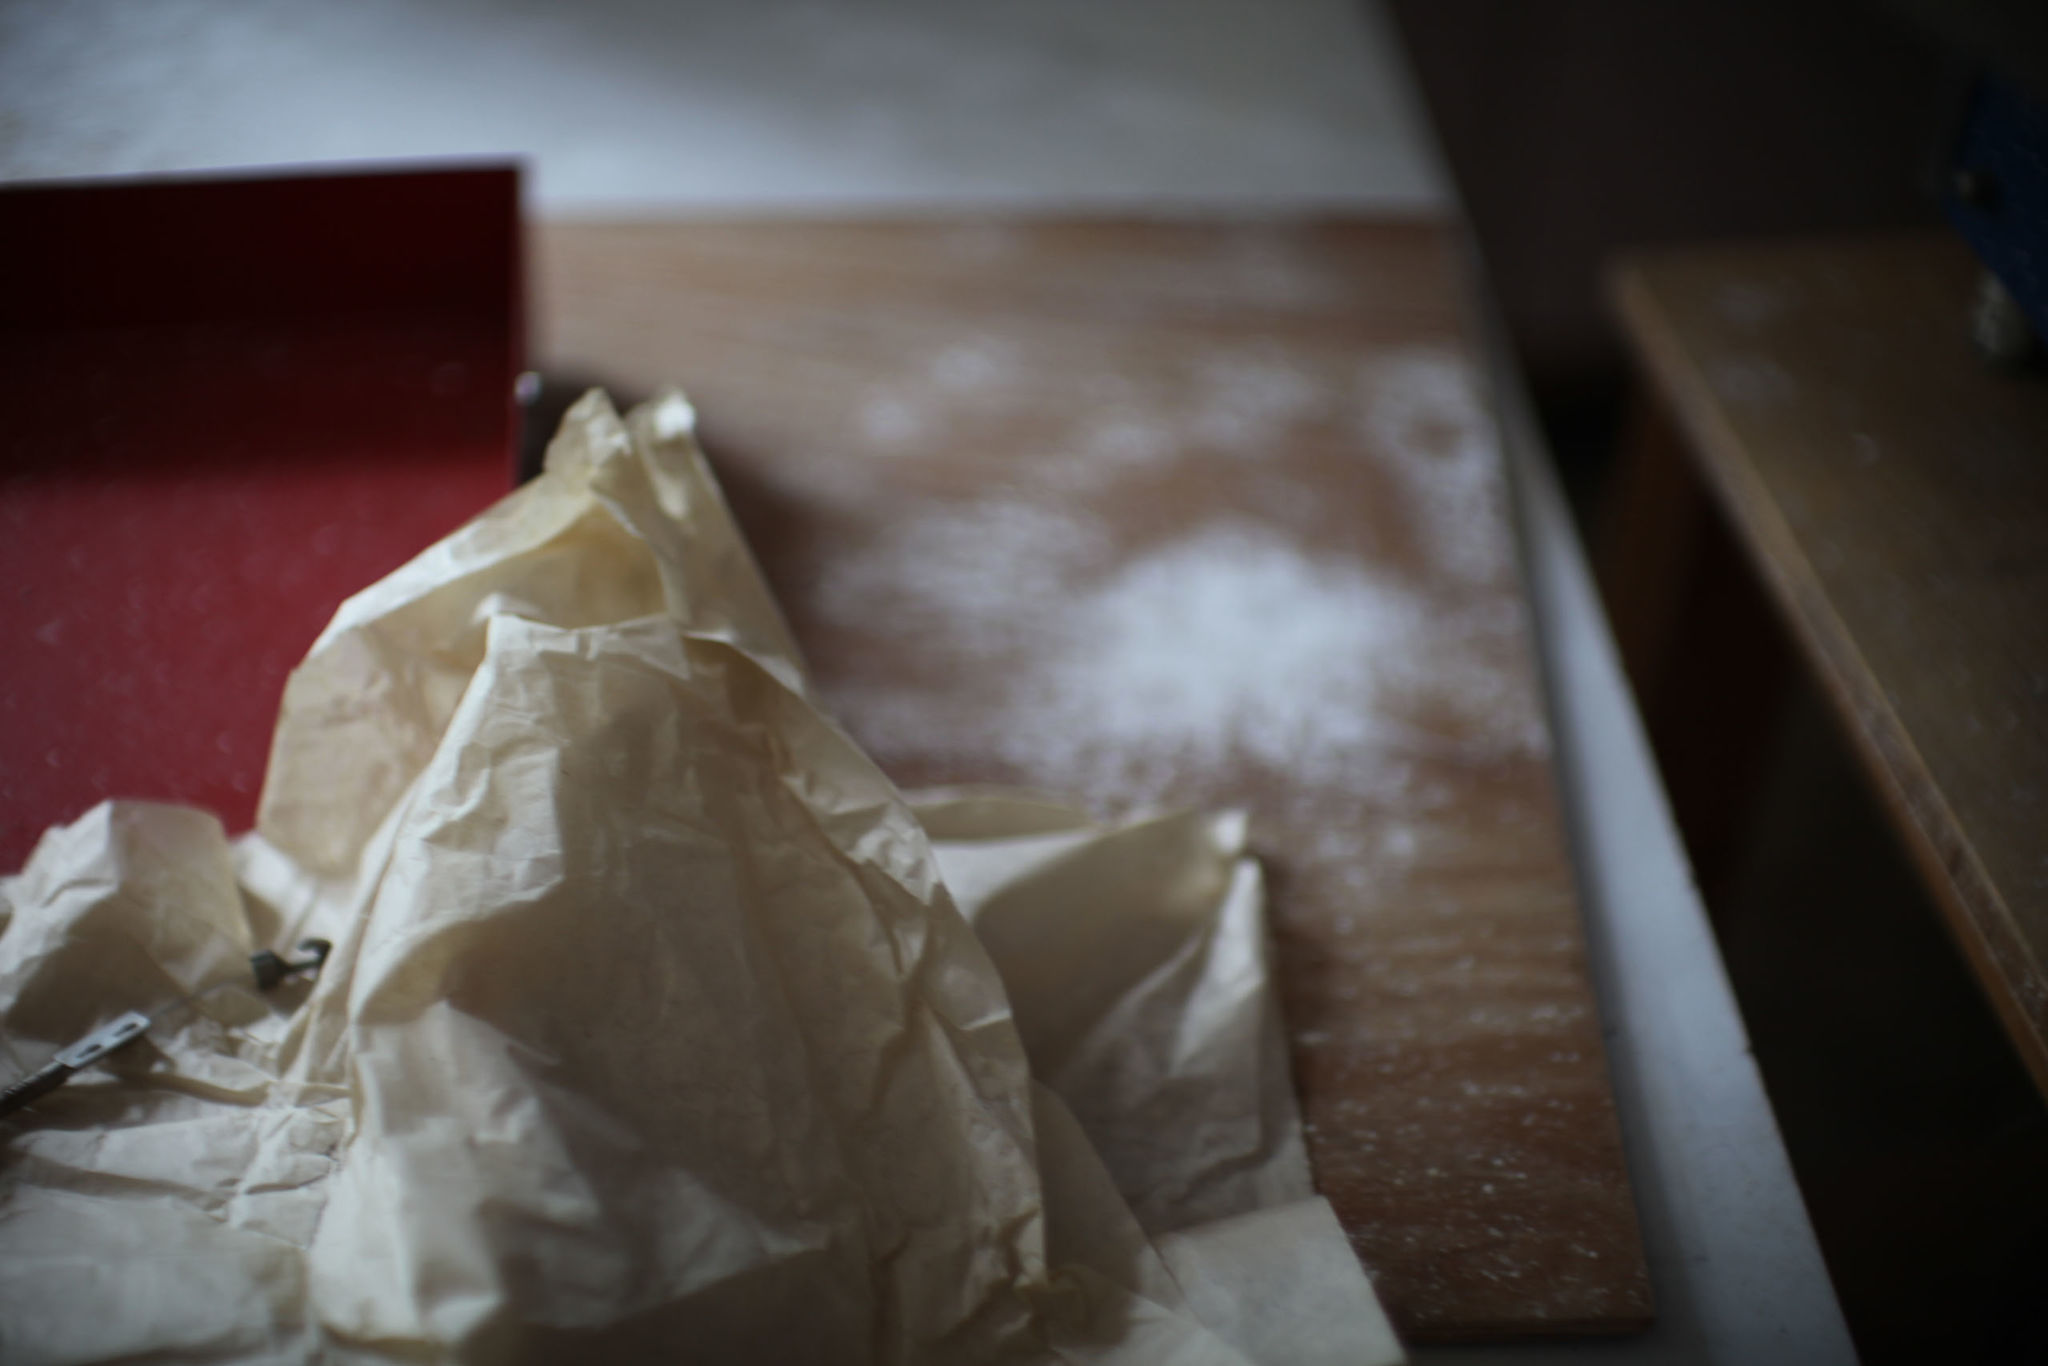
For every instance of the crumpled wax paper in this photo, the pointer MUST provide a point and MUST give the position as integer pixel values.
(658, 1024)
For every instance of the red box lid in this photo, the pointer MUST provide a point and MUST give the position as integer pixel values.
(225, 406)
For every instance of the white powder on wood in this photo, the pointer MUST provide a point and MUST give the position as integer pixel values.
(1419, 413)
(1229, 641)
(1248, 399)
(1229, 644)
(968, 577)
(1115, 678)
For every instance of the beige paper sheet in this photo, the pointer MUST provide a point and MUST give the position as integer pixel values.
(659, 1025)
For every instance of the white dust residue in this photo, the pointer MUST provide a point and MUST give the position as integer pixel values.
(1419, 413)
(1464, 674)
(1125, 441)
(972, 577)
(1116, 681)
(981, 367)
(1245, 402)
(1228, 642)
(890, 422)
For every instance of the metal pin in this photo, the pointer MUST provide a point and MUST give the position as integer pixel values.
(270, 969)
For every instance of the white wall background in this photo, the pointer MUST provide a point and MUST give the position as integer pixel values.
(638, 104)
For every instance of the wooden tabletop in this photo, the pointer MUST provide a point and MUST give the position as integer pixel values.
(1894, 492)
(1175, 512)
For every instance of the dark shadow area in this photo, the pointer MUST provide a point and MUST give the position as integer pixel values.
(1577, 129)
(1919, 1141)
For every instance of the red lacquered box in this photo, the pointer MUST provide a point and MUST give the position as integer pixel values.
(225, 406)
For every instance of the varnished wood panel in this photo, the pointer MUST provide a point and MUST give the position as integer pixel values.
(1192, 513)
(1894, 493)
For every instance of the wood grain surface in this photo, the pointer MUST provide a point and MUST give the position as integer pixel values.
(1170, 512)
(1894, 492)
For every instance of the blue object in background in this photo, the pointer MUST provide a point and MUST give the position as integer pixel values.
(1997, 191)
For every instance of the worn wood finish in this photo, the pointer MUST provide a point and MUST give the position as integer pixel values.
(1147, 511)
(1894, 493)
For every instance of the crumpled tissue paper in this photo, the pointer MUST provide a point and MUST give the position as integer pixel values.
(659, 1025)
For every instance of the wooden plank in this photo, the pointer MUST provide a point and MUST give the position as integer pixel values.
(1894, 492)
(1172, 512)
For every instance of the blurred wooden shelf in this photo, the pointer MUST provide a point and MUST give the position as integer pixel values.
(1892, 492)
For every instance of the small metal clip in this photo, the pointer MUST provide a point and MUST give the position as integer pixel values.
(271, 969)
(104, 1040)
